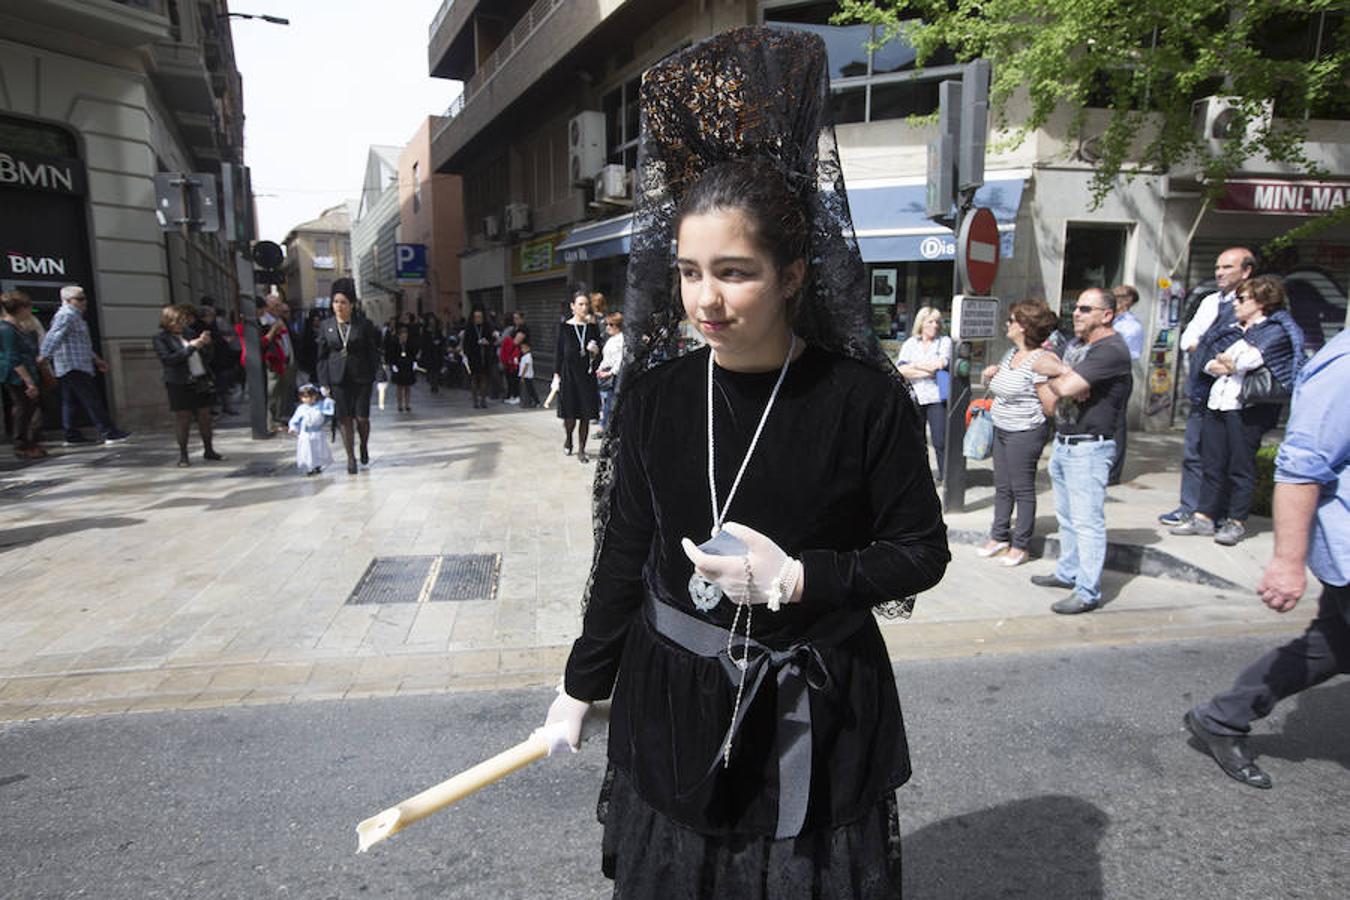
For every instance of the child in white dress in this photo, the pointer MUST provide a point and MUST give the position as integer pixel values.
(312, 452)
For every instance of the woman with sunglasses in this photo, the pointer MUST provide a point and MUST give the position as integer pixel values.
(1018, 414)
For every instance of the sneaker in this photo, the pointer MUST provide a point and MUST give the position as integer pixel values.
(512, 401)
(116, 436)
(1230, 533)
(1176, 517)
(76, 440)
(1072, 605)
(1196, 524)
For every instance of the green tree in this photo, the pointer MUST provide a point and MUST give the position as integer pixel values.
(1146, 62)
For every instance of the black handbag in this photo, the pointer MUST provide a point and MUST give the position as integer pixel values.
(204, 385)
(1261, 387)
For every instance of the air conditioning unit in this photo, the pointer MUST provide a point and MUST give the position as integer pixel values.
(1215, 121)
(492, 226)
(517, 217)
(611, 184)
(585, 146)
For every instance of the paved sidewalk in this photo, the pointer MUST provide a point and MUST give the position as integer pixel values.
(130, 585)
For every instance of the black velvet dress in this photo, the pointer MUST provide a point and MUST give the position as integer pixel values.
(839, 481)
(578, 396)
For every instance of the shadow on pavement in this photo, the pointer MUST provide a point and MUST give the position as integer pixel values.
(1315, 728)
(1043, 847)
(22, 537)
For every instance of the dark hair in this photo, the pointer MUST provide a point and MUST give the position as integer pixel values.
(756, 188)
(1266, 290)
(1036, 318)
(1124, 291)
(345, 287)
(15, 302)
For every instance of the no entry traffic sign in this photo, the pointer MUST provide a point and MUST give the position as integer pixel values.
(977, 251)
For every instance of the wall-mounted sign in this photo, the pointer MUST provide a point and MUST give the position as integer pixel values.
(22, 264)
(26, 171)
(410, 263)
(537, 257)
(1284, 198)
(974, 318)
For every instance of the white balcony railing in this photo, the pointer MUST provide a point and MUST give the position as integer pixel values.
(531, 22)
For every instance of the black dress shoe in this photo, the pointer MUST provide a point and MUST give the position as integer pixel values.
(365, 457)
(213, 456)
(1231, 753)
(351, 467)
(1050, 581)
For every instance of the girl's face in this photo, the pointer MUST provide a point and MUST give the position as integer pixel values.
(731, 288)
(612, 329)
(175, 325)
(581, 306)
(309, 399)
(342, 307)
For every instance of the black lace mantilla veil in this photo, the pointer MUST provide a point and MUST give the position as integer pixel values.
(752, 92)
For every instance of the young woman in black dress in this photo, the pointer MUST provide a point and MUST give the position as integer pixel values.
(347, 359)
(755, 738)
(401, 358)
(578, 352)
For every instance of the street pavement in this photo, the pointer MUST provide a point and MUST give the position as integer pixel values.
(1058, 775)
(134, 586)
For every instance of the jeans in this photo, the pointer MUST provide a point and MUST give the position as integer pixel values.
(1192, 468)
(936, 414)
(606, 404)
(1228, 450)
(1016, 455)
(1310, 659)
(1078, 473)
(79, 387)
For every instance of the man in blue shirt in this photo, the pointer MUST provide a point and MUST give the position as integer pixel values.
(1312, 528)
(69, 347)
(1128, 326)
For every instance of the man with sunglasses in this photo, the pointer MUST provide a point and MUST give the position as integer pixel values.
(69, 346)
(1090, 385)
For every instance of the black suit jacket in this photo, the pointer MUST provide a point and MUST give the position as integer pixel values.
(363, 353)
(174, 356)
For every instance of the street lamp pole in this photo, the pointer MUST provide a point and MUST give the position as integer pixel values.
(275, 20)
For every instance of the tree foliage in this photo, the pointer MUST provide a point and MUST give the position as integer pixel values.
(1145, 62)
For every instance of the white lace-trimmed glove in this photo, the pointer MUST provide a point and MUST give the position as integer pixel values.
(562, 725)
(764, 575)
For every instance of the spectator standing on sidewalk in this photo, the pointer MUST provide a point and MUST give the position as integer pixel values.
(509, 357)
(279, 353)
(185, 356)
(531, 397)
(1018, 414)
(1234, 266)
(1090, 384)
(224, 362)
(1312, 529)
(611, 360)
(1128, 326)
(20, 375)
(925, 353)
(71, 351)
(1263, 334)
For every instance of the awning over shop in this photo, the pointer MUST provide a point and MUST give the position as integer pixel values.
(597, 240)
(889, 219)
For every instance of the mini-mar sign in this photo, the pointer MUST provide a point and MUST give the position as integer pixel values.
(974, 318)
(1284, 198)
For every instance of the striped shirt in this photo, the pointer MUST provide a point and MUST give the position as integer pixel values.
(1017, 407)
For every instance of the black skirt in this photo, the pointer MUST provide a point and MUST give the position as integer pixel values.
(351, 400)
(186, 397)
(650, 856)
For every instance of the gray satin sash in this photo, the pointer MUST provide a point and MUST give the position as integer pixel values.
(797, 669)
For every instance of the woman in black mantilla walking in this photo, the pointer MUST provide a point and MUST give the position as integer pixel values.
(578, 352)
(755, 739)
(348, 356)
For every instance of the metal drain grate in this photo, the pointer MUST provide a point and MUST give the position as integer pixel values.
(428, 579)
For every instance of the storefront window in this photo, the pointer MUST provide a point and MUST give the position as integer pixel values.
(1094, 257)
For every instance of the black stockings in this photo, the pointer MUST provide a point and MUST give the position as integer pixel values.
(183, 424)
(582, 432)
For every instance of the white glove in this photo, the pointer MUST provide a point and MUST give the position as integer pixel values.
(765, 574)
(557, 382)
(567, 714)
